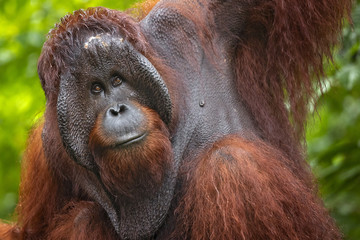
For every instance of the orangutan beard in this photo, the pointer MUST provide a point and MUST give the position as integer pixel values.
(137, 169)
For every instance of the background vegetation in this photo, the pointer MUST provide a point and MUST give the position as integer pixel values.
(333, 131)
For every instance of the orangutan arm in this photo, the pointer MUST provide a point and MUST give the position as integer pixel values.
(239, 187)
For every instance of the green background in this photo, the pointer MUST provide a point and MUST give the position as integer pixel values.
(333, 131)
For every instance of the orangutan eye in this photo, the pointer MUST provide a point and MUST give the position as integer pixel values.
(117, 81)
(96, 88)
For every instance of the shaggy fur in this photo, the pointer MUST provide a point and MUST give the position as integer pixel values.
(242, 189)
(236, 188)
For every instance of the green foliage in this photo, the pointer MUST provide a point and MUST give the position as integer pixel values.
(333, 139)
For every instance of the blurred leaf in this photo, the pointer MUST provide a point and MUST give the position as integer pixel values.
(334, 139)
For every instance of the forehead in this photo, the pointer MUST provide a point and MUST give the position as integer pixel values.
(99, 52)
(102, 40)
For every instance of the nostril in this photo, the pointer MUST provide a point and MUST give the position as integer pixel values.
(122, 108)
(119, 109)
(113, 112)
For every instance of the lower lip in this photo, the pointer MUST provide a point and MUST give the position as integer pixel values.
(132, 140)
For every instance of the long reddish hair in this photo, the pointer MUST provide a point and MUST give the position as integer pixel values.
(241, 189)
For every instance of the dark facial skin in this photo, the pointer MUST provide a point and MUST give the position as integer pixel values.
(113, 98)
(104, 77)
(122, 121)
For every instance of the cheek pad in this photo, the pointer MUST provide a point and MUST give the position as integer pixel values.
(75, 119)
(76, 116)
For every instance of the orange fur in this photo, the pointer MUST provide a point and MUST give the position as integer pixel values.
(243, 190)
(81, 221)
(286, 42)
(9, 232)
(51, 205)
(38, 199)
